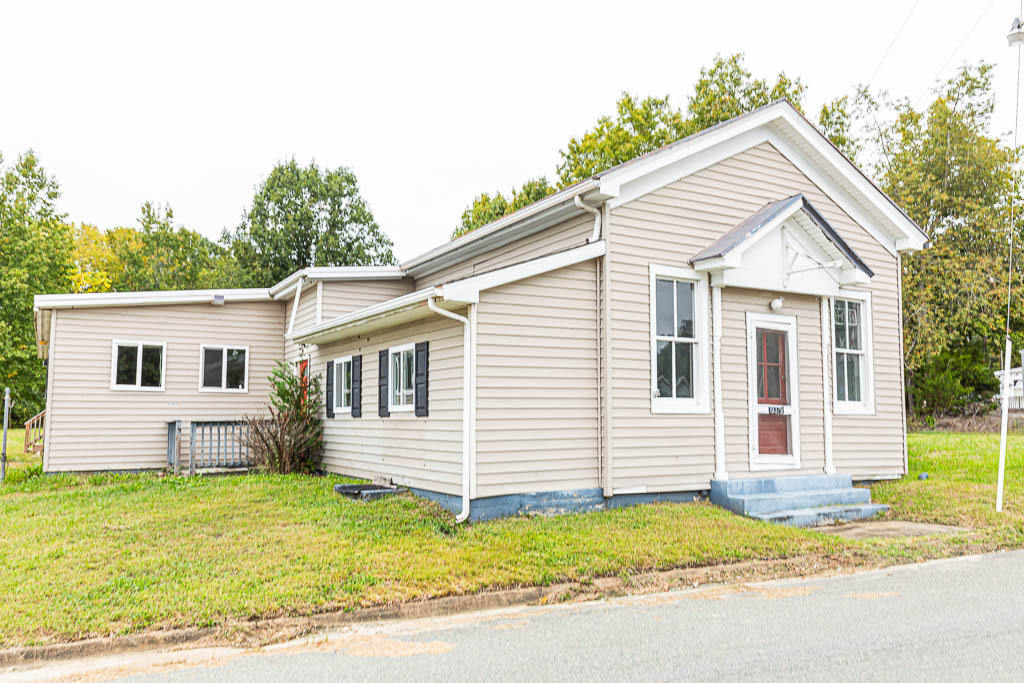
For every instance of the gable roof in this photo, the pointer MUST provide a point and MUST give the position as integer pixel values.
(773, 214)
(779, 123)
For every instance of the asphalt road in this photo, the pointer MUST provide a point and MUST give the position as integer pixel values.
(951, 619)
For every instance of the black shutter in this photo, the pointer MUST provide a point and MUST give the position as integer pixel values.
(357, 386)
(329, 400)
(382, 384)
(422, 368)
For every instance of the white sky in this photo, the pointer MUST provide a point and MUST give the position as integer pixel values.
(192, 103)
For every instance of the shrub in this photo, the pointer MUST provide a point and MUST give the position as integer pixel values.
(290, 437)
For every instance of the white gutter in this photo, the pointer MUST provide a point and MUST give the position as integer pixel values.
(596, 211)
(295, 304)
(178, 296)
(467, 401)
(334, 273)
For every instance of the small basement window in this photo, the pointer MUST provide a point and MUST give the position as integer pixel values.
(401, 377)
(224, 368)
(138, 365)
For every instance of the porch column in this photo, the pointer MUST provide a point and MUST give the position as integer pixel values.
(716, 354)
(826, 375)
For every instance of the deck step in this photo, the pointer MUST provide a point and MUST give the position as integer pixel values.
(811, 517)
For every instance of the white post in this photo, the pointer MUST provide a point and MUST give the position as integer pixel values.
(716, 350)
(3, 451)
(1002, 430)
(826, 373)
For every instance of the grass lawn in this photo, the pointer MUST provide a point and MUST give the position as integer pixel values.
(103, 554)
(16, 457)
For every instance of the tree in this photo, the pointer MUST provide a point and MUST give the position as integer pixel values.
(304, 217)
(640, 125)
(96, 267)
(35, 258)
(952, 176)
(727, 89)
(487, 209)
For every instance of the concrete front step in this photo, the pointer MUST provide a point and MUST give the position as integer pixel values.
(811, 517)
(767, 503)
(803, 482)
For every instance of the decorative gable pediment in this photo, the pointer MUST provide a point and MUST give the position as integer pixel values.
(785, 246)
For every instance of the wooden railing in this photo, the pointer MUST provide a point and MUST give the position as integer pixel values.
(35, 430)
(216, 444)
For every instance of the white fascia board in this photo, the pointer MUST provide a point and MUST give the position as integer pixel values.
(468, 290)
(459, 248)
(182, 296)
(776, 124)
(855, 177)
(331, 328)
(283, 289)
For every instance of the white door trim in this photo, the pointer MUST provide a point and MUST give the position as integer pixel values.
(787, 324)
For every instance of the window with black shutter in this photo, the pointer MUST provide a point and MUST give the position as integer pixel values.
(421, 365)
(329, 389)
(382, 384)
(357, 386)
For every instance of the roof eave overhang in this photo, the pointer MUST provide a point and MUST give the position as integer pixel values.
(785, 127)
(285, 287)
(159, 298)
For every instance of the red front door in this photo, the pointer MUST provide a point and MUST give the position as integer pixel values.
(772, 393)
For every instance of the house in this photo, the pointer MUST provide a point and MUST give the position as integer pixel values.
(724, 309)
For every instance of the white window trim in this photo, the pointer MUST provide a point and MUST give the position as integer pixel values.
(338, 408)
(392, 407)
(700, 403)
(787, 324)
(114, 386)
(865, 406)
(222, 389)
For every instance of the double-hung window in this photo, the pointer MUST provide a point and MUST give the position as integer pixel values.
(851, 342)
(678, 340)
(401, 378)
(343, 385)
(138, 365)
(223, 368)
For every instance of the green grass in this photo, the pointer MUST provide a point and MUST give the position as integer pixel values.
(16, 457)
(110, 554)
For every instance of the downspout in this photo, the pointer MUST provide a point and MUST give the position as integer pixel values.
(596, 211)
(467, 402)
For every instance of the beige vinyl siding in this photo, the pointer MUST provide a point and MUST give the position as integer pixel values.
(421, 452)
(537, 396)
(668, 226)
(735, 385)
(92, 427)
(571, 233)
(338, 298)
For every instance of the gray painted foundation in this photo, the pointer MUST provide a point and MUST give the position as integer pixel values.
(549, 502)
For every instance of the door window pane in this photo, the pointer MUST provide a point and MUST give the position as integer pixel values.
(127, 364)
(663, 292)
(664, 368)
(152, 362)
(213, 367)
(684, 370)
(773, 382)
(236, 369)
(684, 309)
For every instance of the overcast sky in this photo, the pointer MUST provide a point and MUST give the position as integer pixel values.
(192, 104)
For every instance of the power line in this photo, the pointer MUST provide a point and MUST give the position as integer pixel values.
(954, 52)
(894, 39)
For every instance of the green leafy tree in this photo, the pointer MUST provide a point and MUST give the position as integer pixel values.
(836, 121)
(727, 89)
(955, 178)
(160, 256)
(487, 209)
(301, 217)
(35, 258)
